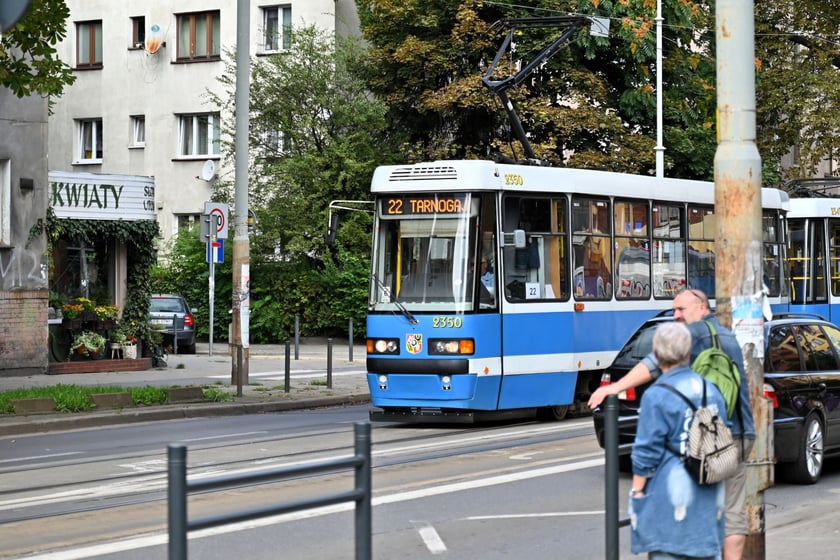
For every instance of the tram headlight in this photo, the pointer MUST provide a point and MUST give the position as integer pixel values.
(451, 346)
(383, 346)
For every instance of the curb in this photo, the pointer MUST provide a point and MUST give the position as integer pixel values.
(84, 420)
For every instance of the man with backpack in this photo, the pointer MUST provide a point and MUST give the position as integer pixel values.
(691, 307)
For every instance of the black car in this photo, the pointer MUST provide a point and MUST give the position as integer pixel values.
(802, 379)
(177, 319)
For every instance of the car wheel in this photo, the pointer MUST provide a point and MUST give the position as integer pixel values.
(809, 461)
(189, 349)
(553, 413)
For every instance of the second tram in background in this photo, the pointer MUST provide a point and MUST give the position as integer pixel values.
(502, 290)
(814, 232)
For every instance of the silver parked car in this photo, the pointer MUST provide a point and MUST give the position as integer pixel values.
(177, 319)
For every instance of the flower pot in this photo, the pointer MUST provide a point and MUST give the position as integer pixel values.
(130, 351)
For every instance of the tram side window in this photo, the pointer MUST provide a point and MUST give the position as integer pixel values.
(818, 274)
(834, 255)
(540, 270)
(701, 249)
(591, 223)
(807, 255)
(668, 254)
(632, 250)
(772, 253)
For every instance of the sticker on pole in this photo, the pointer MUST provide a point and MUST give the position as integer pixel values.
(218, 217)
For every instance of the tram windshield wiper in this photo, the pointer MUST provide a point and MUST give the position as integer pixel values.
(406, 313)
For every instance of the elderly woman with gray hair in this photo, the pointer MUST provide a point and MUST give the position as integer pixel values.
(671, 515)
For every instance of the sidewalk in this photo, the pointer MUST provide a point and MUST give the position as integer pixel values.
(264, 391)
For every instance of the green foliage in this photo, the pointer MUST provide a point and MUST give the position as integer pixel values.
(185, 272)
(148, 395)
(797, 58)
(75, 398)
(139, 237)
(591, 105)
(334, 134)
(216, 394)
(29, 63)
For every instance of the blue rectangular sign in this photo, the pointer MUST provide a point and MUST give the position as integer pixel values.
(217, 251)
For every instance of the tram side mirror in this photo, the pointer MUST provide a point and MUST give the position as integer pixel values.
(519, 238)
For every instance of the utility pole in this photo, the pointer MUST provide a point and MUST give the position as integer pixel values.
(241, 248)
(738, 243)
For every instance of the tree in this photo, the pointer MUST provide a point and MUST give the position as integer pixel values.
(316, 135)
(797, 61)
(29, 63)
(591, 105)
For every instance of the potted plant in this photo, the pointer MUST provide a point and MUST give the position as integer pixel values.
(71, 310)
(117, 339)
(107, 316)
(129, 332)
(88, 343)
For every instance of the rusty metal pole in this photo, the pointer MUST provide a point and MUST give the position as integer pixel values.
(241, 247)
(738, 243)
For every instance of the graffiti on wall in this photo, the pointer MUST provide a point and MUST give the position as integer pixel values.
(21, 268)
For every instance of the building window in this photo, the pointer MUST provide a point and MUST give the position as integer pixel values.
(138, 131)
(89, 44)
(199, 135)
(138, 32)
(199, 36)
(273, 143)
(188, 222)
(5, 203)
(90, 141)
(277, 25)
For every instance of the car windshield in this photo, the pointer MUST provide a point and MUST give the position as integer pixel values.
(637, 347)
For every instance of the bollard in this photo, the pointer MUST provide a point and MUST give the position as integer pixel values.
(329, 363)
(288, 370)
(175, 336)
(297, 337)
(611, 476)
(364, 507)
(177, 498)
(350, 341)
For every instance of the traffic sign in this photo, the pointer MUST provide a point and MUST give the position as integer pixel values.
(218, 213)
(216, 251)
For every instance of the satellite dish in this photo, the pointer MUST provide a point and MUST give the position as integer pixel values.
(209, 170)
(153, 39)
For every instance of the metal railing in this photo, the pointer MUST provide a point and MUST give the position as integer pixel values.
(612, 450)
(179, 487)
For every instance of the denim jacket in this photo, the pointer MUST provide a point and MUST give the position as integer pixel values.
(675, 514)
(741, 425)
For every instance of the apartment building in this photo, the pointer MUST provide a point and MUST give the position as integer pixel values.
(139, 105)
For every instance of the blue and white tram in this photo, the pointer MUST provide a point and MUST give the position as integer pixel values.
(814, 254)
(503, 290)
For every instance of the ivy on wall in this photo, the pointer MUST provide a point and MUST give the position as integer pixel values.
(139, 238)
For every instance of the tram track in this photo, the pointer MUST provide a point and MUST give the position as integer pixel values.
(92, 494)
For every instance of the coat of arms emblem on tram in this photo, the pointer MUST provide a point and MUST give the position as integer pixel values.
(414, 343)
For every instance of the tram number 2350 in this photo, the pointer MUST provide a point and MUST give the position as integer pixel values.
(447, 322)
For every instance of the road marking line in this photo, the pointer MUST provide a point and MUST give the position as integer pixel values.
(161, 539)
(35, 457)
(431, 539)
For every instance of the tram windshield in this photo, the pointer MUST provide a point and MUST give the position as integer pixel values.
(429, 256)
